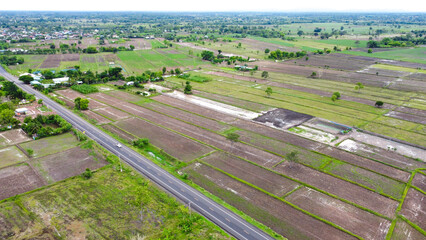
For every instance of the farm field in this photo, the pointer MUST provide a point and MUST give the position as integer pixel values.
(371, 183)
(121, 205)
(415, 55)
(52, 159)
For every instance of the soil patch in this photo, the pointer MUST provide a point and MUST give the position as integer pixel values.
(414, 208)
(12, 137)
(112, 113)
(70, 94)
(98, 118)
(122, 134)
(174, 144)
(18, 179)
(67, 164)
(351, 218)
(404, 231)
(270, 211)
(283, 118)
(419, 181)
(338, 187)
(251, 173)
(407, 117)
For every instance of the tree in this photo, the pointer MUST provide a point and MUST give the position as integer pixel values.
(164, 70)
(77, 103)
(6, 116)
(84, 104)
(379, 104)
(300, 33)
(91, 50)
(26, 79)
(265, 74)
(87, 174)
(188, 88)
(30, 151)
(207, 55)
(314, 74)
(178, 71)
(267, 50)
(337, 94)
(268, 91)
(333, 98)
(292, 156)
(359, 86)
(219, 51)
(232, 136)
(141, 142)
(40, 101)
(370, 51)
(132, 47)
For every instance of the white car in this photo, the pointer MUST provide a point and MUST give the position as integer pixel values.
(118, 145)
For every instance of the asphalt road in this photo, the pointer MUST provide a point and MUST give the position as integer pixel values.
(224, 218)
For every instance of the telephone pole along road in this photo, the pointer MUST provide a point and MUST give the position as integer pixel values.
(224, 218)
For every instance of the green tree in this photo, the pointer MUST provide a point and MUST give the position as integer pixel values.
(268, 91)
(314, 74)
(265, 74)
(207, 55)
(370, 51)
(379, 104)
(232, 136)
(6, 116)
(337, 94)
(87, 174)
(333, 98)
(132, 47)
(26, 79)
(40, 101)
(77, 103)
(188, 88)
(84, 104)
(267, 50)
(359, 86)
(164, 70)
(30, 151)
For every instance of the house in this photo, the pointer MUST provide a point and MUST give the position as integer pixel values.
(21, 112)
(243, 68)
(61, 80)
(32, 83)
(130, 83)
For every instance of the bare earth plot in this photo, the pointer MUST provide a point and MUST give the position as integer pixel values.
(11, 155)
(239, 149)
(419, 181)
(98, 118)
(403, 231)
(124, 96)
(50, 145)
(274, 213)
(67, 164)
(283, 118)
(414, 208)
(187, 117)
(12, 137)
(380, 154)
(336, 60)
(112, 113)
(194, 108)
(341, 188)
(122, 134)
(413, 111)
(70, 94)
(18, 179)
(251, 173)
(407, 117)
(322, 148)
(174, 144)
(357, 221)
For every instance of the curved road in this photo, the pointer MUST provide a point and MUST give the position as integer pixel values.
(224, 218)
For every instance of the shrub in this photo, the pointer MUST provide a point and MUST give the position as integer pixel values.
(233, 137)
(87, 174)
(379, 104)
(141, 142)
(30, 151)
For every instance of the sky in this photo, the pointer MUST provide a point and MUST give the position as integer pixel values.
(218, 5)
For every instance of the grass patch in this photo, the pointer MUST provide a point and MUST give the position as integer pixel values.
(84, 88)
(51, 145)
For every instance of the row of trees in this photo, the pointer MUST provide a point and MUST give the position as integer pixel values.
(11, 60)
(219, 58)
(41, 126)
(398, 41)
(280, 55)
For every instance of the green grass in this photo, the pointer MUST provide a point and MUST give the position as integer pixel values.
(51, 145)
(84, 88)
(416, 55)
(343, 42)
(398, 68)
(157, 44)
(111, 205)
(11, 155)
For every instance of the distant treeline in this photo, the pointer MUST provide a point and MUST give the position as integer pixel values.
(11, 60)
(398, 41)
(281, 55)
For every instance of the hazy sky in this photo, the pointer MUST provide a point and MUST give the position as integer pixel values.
(218, 5)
